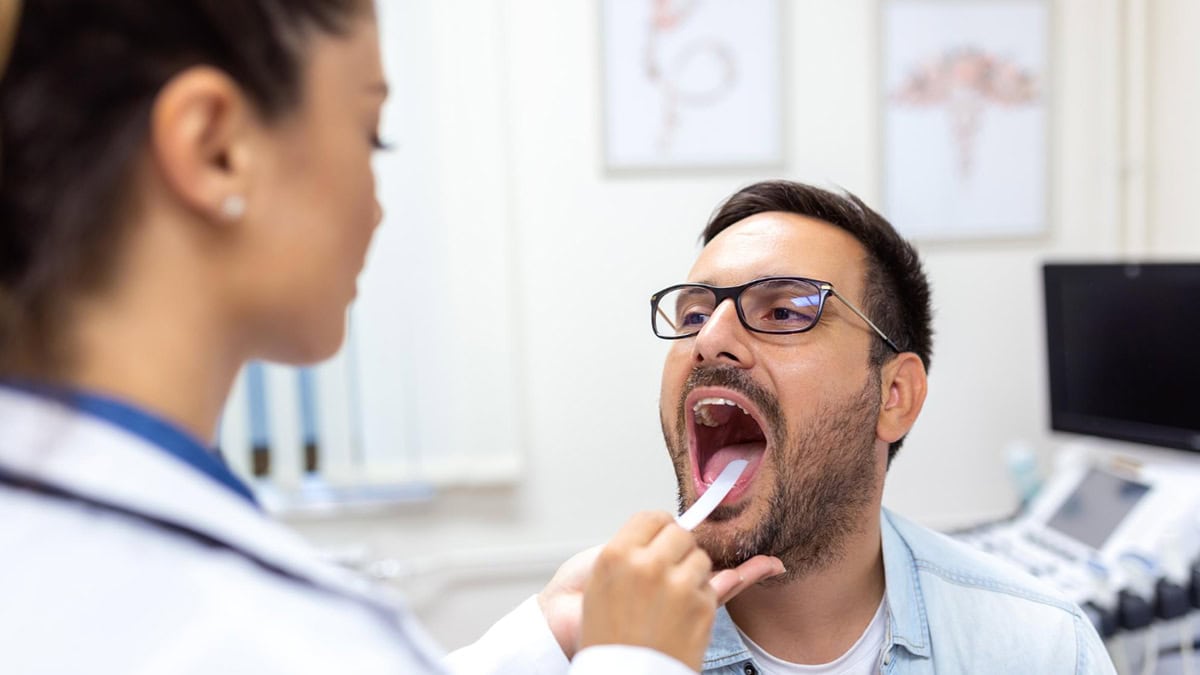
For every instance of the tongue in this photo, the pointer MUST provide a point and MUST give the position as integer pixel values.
(721, 458)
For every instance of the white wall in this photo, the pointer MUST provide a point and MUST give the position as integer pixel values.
(516, 96)
(1173, 61)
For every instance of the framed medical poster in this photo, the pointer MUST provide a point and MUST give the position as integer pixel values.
(692, 84)
(965, 117)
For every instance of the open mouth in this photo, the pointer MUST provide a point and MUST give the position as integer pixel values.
(724, 425)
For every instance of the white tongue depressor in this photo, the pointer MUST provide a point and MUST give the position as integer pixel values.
(712, 496)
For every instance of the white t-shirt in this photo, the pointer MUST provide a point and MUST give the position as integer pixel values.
(860, 659)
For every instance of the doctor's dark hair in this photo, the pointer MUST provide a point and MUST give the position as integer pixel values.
(896, 295)
(75, 103)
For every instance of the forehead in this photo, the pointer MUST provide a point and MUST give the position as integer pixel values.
(782, 244)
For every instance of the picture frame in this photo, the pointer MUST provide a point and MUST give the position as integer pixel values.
(692, 85)
(965, 114)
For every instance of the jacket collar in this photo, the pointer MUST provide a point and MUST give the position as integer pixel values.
(48, 441)
(726, 646)
(906, 604)
(907, 624)
(159, 432)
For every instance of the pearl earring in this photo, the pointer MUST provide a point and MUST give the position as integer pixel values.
(233, 207)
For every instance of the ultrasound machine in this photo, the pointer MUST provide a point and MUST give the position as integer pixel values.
(1116, 526)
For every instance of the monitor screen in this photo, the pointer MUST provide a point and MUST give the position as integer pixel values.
(1096, 507)
(1124, 351)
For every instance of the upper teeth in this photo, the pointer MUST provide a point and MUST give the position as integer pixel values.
(703, 411)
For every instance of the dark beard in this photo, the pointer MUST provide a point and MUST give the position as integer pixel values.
(826, 478)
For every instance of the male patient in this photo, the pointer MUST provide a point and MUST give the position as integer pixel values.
(801, 343)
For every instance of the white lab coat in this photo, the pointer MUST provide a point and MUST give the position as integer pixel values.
(174, 573)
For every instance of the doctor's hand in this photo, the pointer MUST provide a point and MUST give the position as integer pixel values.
(728, 583)
(649, 588)
(561, 601)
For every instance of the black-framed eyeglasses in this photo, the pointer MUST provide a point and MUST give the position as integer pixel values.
(775, 305)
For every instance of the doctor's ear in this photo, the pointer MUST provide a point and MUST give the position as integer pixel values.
(903, 386)
(201, 129)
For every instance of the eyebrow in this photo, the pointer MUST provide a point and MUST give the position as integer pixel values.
(760, 277)
(695, 291)
(380, 88)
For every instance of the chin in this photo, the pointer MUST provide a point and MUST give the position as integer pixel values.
(309, 345)
(323, 348)
(726, 544)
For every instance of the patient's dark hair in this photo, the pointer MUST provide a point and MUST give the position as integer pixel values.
(896, 295)
(75, 102)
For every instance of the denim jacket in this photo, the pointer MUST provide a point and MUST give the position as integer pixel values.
(952, 609)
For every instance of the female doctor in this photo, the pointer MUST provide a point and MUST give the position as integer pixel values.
(186, 185)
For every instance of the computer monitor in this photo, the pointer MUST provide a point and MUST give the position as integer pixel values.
(1123, 346)
(1096, 507)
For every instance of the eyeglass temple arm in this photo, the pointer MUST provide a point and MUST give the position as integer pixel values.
(862, 316)
(666, 318)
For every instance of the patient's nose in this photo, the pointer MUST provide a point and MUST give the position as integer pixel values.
(723, 339)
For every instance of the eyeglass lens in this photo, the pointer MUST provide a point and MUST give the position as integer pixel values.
(771, 306)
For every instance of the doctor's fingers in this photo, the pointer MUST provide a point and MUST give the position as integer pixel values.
(673, 544)
(639, 530)
(729, 583)
(696, 571)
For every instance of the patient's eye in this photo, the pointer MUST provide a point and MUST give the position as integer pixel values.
(783, 314)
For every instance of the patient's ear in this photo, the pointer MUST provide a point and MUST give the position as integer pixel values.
(903, 384)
